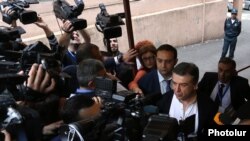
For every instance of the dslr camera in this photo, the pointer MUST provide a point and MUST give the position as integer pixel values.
(25, 16)
(64, 11)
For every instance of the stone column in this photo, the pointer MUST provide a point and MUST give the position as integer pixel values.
(238, 5)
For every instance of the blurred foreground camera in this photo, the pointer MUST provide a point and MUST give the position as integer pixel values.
(160, 128)
(80, 131)
(8, 114)
(109, 25)
(25, 16)
(64, 11)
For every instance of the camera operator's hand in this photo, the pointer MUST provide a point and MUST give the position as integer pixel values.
(40, 23)
(112, 76)
(137, 90)
(64, 40)
(98, 101)
(129, 55)
(67, 26)
(51, 128)
(9, 11)
(39, 80)
(7, 136)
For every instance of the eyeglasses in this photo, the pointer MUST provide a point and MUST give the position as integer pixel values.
(150, 58)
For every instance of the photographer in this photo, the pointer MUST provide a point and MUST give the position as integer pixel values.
(83, 104)
(71, 41)
(48, 104)
(49, 34)
(72, 27)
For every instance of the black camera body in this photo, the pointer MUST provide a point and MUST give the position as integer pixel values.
(25, 16)
(64, 11)
(160, 128)
(8, 34)
(109, 25)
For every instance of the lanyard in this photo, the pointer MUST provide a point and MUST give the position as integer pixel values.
(223, 93)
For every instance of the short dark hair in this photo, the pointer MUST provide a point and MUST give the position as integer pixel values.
(88, 51)
(87, 70)
(227, 60)
(167, 47)
(185, 68)
(72, 107)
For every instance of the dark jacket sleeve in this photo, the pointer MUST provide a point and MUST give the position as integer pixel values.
(239, 28)
(225, 24)
(53, 42)
(109, 62)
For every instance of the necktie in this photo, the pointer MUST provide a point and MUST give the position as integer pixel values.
(219, 96)
(168, 88)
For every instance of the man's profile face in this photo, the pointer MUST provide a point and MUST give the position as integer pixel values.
(165, 62)
(225, 72)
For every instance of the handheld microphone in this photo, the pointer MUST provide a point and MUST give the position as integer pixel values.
(232, 117)
(217, 119)
(225, 119)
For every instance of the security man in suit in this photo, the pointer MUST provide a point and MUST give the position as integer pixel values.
(232, 29)
(225, 87)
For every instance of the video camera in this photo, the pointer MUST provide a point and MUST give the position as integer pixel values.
(16, 119)
(8, 114)
(109, 25)
(25, 16)
(10, 38)
(10, 34)
(64, 11)
(13, 60)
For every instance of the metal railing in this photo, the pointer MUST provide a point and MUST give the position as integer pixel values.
(243, 69)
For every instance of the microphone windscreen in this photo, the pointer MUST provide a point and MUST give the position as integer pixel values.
(217, 119)
(225, 119)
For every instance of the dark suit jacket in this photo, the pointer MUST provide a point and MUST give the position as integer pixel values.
(68, 59)
(149, 83)
(239, 88)
(206, 108)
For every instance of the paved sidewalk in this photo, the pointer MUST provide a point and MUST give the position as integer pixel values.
(206, 55)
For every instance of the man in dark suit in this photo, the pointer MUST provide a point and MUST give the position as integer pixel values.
(193, 111)
(225, 87)
(157, 81)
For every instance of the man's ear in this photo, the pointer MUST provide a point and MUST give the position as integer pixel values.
(176, 60)
(196, 86)
(235, 73)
